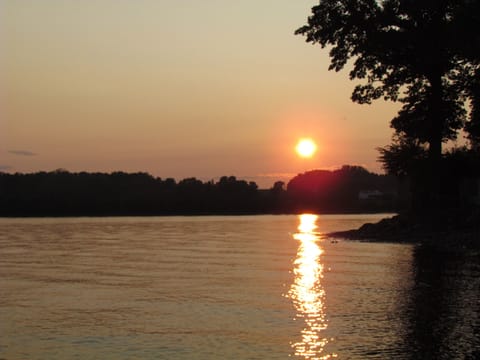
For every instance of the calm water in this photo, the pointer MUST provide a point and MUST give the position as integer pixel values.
(255, 287)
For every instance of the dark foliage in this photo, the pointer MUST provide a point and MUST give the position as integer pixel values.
(422, 53)
(403, 157)
(62, 193)
(339, 190)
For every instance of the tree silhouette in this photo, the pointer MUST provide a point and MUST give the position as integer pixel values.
(422, 53)
(403, 156)
(339, 190)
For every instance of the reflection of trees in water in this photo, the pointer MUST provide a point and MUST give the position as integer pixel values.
(444, 307)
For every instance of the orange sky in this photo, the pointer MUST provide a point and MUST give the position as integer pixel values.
(175, 88)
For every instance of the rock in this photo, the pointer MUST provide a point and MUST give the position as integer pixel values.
(449, 230)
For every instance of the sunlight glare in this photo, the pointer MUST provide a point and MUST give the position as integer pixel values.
(307, 292)
(306, 148)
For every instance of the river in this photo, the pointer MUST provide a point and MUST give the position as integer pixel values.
(225, 287)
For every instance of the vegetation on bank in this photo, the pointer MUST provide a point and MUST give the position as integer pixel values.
(426, 55)
(454, 231)
(63, 193)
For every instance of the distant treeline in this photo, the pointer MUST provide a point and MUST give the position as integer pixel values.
(63, 193)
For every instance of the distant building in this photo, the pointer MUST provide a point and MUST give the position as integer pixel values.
(369, 194)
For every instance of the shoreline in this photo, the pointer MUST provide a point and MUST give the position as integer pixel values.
(442, 232)
(191, 214)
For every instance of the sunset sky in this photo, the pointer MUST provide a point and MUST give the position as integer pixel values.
(177, 89)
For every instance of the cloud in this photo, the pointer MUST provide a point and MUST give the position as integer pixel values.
(276, 175)
(22, 152)
(5, 167)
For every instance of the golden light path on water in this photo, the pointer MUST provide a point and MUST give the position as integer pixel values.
(307, 292)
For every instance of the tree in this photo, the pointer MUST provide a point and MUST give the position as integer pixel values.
(472, 127)
(339, 190)
(408, 51)
(467, 43)
(402, 156)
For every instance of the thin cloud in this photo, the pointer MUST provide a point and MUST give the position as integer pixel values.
(22, 152)
(276, 175)
(5, 167)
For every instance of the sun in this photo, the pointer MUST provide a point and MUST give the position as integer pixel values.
(306, 148)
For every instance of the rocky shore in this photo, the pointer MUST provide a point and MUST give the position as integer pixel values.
(451, 231)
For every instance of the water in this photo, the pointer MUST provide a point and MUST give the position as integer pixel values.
(253, 287)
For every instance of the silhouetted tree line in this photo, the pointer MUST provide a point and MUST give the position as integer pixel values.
(63, 193)
(340, 190)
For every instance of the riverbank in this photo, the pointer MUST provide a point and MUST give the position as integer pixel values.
(452, 231)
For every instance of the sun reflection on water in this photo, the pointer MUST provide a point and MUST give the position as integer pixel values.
(307, 292)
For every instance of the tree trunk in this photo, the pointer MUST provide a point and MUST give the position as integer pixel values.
(473, 127)
(436, 124)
